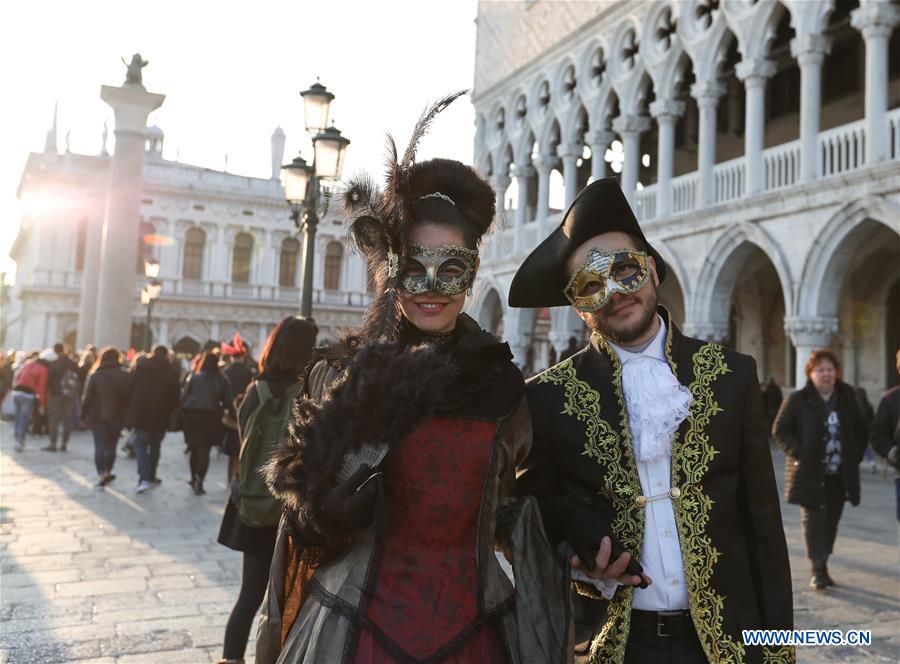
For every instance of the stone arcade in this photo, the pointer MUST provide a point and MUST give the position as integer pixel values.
(759, 143)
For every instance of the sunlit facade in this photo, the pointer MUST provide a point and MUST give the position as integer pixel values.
(759, 143)
(230, 258)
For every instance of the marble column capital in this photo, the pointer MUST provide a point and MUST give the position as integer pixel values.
(501, 181)
(755, 71)
(600, 137)
(707, 92)
(569, 150)
(875, 19)
(667, 109)
(715, 332)
(810, 48)
(544, 163)
(631, 124)
(811, 331)
(520, 170)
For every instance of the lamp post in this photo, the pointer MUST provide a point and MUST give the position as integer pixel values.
(303, 182)
(149, 294)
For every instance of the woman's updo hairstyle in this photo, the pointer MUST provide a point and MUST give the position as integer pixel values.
(446, 192)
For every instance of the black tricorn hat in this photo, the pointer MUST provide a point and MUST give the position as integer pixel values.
(599, 208)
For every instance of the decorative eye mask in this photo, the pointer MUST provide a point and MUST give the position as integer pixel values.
(605, 273)
(448, 269)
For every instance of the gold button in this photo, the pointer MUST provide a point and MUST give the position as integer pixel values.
(641, 501)
(674, 492)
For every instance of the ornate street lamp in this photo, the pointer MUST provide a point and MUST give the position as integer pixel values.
(303, 182)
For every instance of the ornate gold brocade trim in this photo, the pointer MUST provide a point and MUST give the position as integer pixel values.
(690, 462)
(779, 655)
(616, 455)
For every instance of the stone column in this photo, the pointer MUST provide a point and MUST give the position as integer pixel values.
(522, 172)
(163, 331)
(261, 337)
(599, 141)
(90, 276)
(754, 74)
(544, 164)
(666, 112)
(52, 329)
(219, 267)
(518, 327)
(808, 334)
(115, 296)
(269, 263)
(707, 95)
(564, 324)
(501, 182)
(876, 20)
(810, 51)
(569, 153)
(717, 332)
(277, 152)
(630, 127)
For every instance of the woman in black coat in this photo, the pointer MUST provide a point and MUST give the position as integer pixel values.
(204, 399)
(284, 357)
(822, 431)
(106, 398)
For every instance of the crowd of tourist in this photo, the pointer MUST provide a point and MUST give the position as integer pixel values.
(134, 397)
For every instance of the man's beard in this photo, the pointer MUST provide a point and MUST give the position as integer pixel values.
(624, 334)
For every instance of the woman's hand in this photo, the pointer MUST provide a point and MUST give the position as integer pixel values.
(604, 569)
(351, 504)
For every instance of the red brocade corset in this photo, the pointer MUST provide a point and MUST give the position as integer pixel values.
(426, 592)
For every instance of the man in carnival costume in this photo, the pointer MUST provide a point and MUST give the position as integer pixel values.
(651, 444)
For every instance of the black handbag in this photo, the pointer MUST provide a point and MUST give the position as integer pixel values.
(176, 420)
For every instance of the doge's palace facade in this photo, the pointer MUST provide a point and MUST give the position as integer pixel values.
(230, 257)
(758, 141)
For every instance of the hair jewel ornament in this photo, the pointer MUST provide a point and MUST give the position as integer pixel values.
(393, 261)
(437, 194)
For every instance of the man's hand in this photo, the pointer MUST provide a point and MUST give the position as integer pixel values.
(605, 570)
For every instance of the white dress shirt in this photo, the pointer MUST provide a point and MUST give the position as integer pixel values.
(656, 404)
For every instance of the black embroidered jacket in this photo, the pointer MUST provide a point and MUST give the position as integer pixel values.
(728, 513)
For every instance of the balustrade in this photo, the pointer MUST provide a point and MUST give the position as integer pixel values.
(782, 165)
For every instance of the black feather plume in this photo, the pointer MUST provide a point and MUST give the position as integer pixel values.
(424, 124)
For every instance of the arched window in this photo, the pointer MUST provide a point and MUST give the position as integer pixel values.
(287, 264)
(194, 243)
(242, 258)
(80, 244)
(334, 256)
(146, 240)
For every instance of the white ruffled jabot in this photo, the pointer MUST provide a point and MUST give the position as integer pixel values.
(657, 404)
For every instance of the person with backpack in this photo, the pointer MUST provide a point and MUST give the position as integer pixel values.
(30, 390)
(204, 399)
(252, 513)
(62, 390)
(106, 397)
(156, 394)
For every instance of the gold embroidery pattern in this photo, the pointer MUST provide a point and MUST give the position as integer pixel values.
(779, 655)
(603, 445)
(609, 646)
(690, 461)
(583, 403)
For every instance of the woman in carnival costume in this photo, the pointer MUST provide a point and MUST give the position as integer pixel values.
(398, 479)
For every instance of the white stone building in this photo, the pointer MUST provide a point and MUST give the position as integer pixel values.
(230, 257)
(758, 140)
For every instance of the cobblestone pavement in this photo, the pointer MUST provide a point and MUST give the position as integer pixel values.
(110, 576)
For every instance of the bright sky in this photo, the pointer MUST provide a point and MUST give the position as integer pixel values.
(231, 72)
